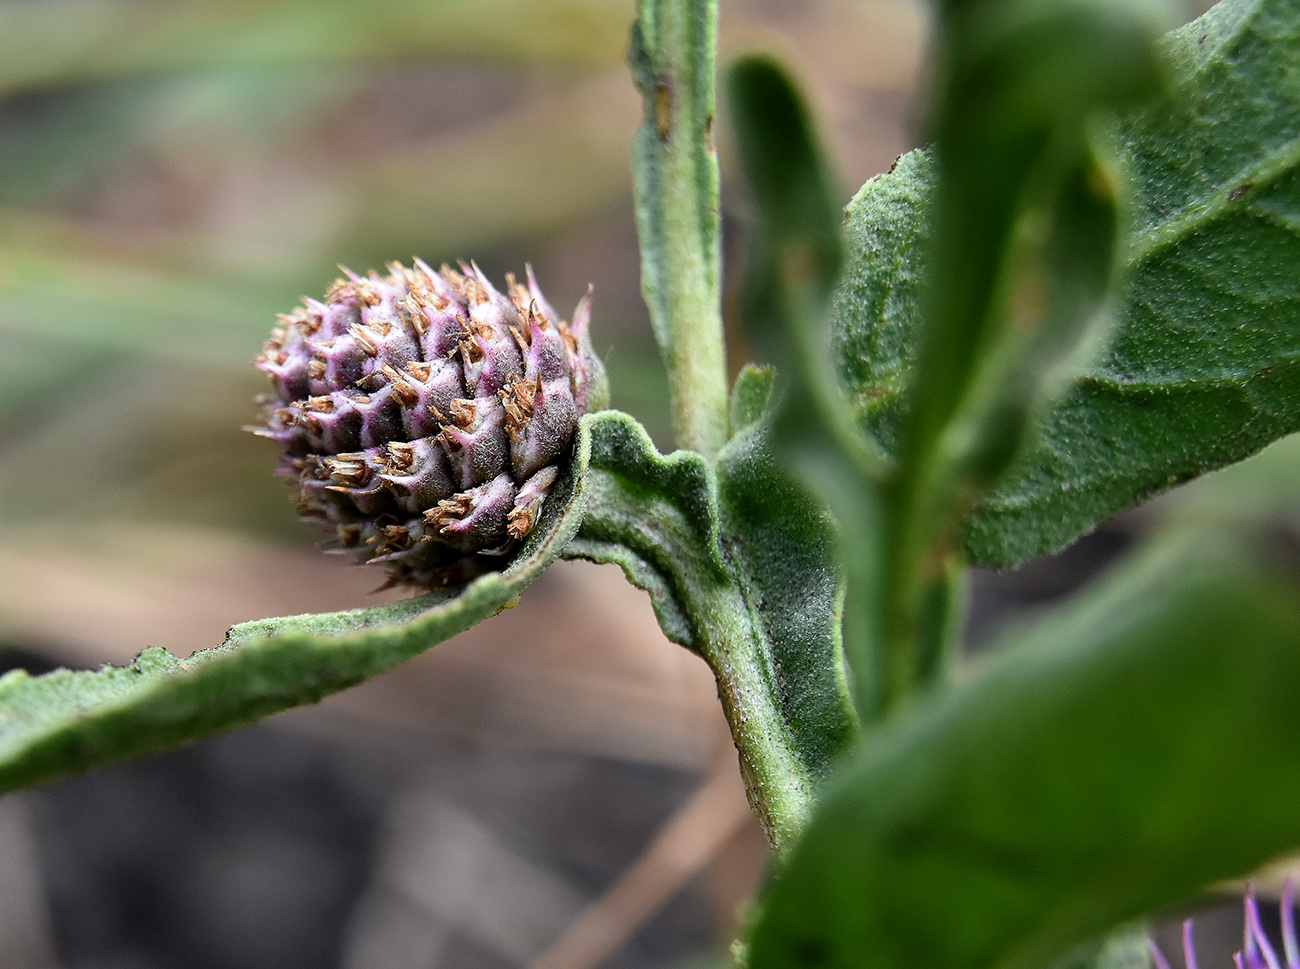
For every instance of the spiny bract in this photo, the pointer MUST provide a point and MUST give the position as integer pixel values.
(424, 415)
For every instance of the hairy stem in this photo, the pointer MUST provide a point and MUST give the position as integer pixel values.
(662, 519)
(779, 785)
(675, 175)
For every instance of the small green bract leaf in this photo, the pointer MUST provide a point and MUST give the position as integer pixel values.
(750, 396)
(66, 721)
(655, 517)
(1135, 747)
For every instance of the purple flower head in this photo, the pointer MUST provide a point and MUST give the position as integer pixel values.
(1256, 951)
(424, 416)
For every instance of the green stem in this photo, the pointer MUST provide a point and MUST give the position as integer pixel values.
(659, 518)
(916, 552)
(718, 621)
(675, 175)
(778, 783)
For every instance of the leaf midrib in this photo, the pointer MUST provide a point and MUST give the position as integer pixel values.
(1196, 215)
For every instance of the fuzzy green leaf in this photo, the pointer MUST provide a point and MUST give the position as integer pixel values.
(795, 258)
(778, 542)
(654, 516)
(750, 396)
(65, 721)
(875, 310)
(1203, 367)
(736, 565)
(1126, 752)
(1019, 84)
(1023, 230)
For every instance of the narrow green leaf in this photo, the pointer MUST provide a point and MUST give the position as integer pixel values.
(795, 254)
(1125, 752)
(675, 186)
(1019, 85)
(797, 236)
(1201, 369)
(66, 721)
(736, 565)
(794, 261)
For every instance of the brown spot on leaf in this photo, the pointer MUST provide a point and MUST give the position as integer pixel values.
(663, 107)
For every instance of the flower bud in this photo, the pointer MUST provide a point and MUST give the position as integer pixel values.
(424, 416)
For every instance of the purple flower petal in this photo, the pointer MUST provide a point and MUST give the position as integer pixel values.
(1257, 943)
(1189, 946)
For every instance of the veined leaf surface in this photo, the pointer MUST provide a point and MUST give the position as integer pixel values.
(1203, 366)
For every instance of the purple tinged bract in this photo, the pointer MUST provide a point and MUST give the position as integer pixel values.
(424, 416)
